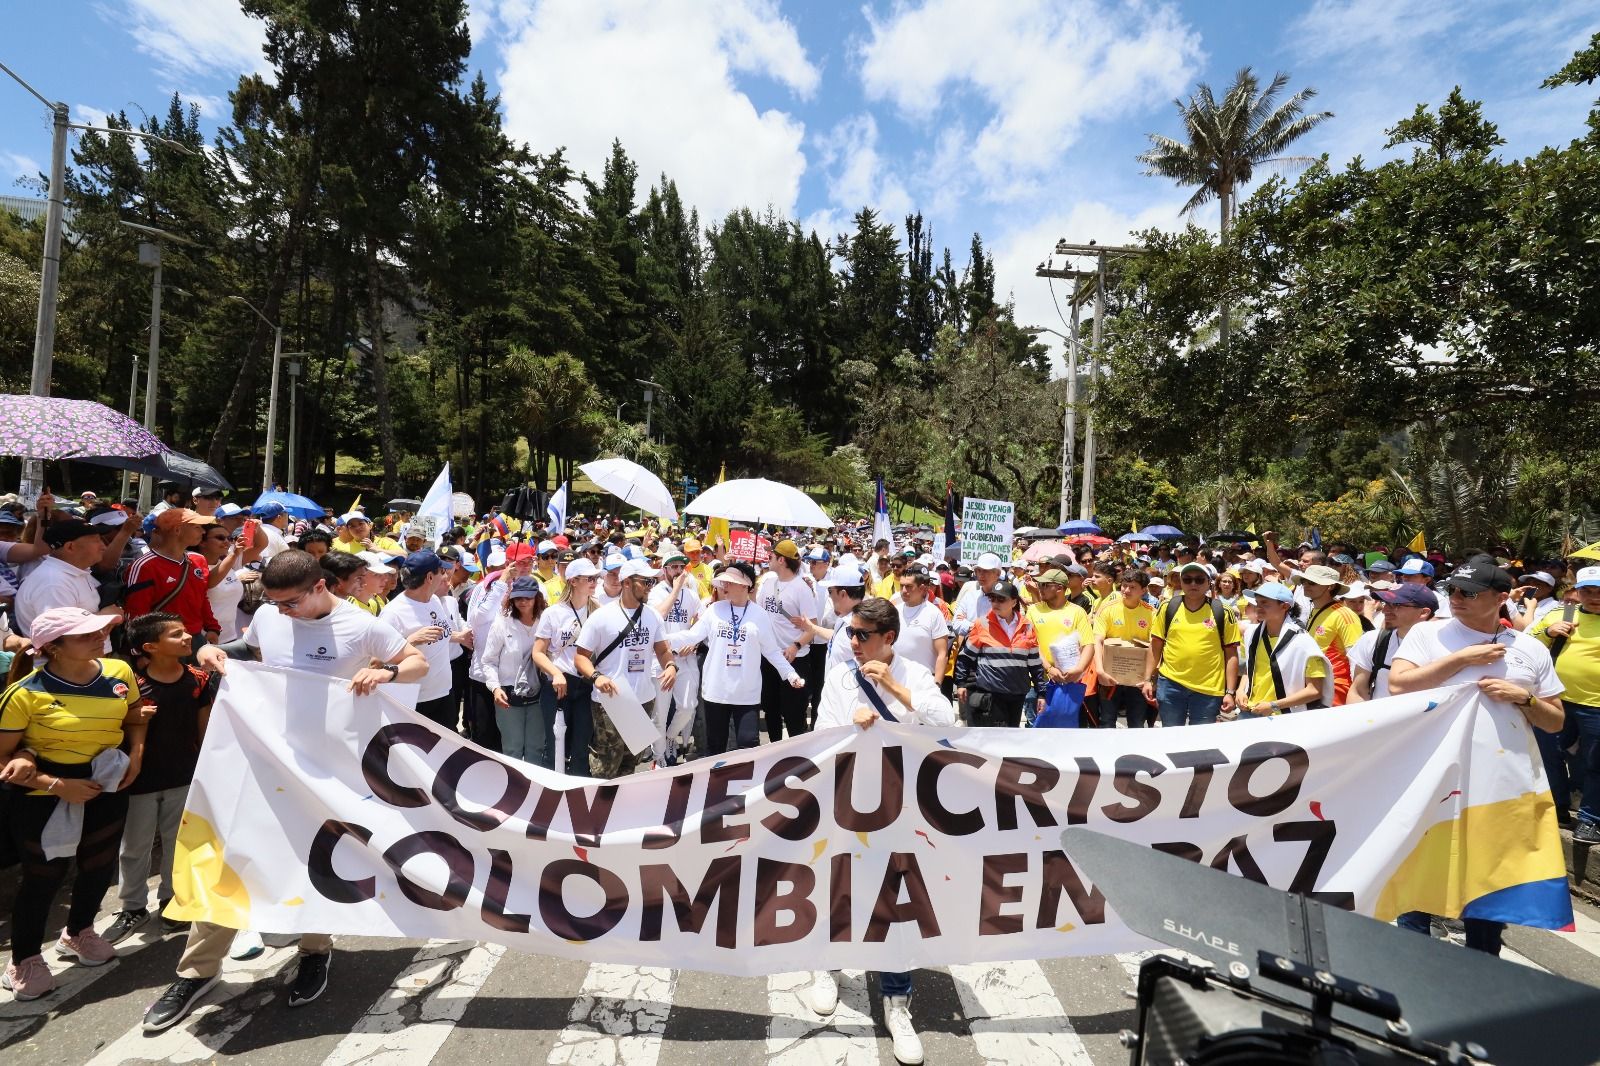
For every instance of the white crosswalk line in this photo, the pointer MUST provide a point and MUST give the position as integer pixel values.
(245, 988)
(71, 979)
(1015, 1016)
(797, 1036)
(413, 1018)
(618, 1018)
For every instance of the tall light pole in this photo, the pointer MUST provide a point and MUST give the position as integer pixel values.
(150, 256)
(293, 370)
(1069, 428)
(272, 392)
(44, 334)
(133, 396)
(650, 390)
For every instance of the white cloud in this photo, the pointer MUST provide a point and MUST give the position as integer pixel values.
(661, 79)
(858, 175)
(191, 37)
(89, 115)
(1042, 71)
(15, 169)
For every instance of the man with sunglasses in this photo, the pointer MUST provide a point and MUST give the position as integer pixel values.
(615, 647)
(852, 695)
(302, 626)
(1507, 666)
(1194, 653)
(1404, 606)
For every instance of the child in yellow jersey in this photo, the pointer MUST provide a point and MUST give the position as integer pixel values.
(1125, 616)
(60, 729)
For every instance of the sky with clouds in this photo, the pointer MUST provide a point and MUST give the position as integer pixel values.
(1019, 119)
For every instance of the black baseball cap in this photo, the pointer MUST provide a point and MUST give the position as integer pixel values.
(1481, 576)
(1004, 590)
(67, 530)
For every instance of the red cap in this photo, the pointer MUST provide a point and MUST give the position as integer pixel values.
(561, 539)
(516, 552)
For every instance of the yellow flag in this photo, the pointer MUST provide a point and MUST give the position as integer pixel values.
(717, 528)
(1418, 544)
(1251, 528)
(1133, 527)
(357, 505)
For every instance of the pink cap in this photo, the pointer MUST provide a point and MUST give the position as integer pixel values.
(58, 622)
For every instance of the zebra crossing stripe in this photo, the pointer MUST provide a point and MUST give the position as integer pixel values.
(798, 1036)
(415, 1015)
(618, 1018)
(245, 988)
(1016, 1017)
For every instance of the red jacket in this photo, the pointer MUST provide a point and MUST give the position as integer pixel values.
(152, 578)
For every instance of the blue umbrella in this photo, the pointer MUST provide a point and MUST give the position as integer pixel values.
(1163, 532)
(1078, 526)
(297, 505)
(1136, 538)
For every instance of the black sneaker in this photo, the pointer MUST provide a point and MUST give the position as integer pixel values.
(123, 924)
(1586, 833)
(169, 925)
(176, 1002)
(311, 980)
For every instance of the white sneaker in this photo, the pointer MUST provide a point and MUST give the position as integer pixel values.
(902, 1034)
(823, 995)
(246, 945)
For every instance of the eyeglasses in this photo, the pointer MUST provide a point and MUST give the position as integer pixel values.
(295, 601)
(860, 634)
(1195, 580)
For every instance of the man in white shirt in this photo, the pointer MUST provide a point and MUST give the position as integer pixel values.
(1507, 666)
(789, 600)
(274, 521)
(62, 578)
(924, 633)
(1404, 607)
(303, 626)
(615, 647)
(425, 620)
(972, 602)
(676, 600)
(908, 692)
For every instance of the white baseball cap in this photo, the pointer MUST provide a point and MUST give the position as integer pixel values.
(638, 568)
(375, 562)
(845, 577)
(987, 561)
(581, 567)
(1588, 578)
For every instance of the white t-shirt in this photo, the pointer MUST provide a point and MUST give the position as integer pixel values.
(339, 644)
(1361, 658)
(676, 615)
(824, 609)
(560, 625)
(920, 626)
(225, 596)
(732, 672)
(275, 542)
(782, 600)
(1526, 661)
(630, 662)
(405, 616)
(54, 583)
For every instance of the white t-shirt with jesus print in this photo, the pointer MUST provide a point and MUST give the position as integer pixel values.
(631, 663)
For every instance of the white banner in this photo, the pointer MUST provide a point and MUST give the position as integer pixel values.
(886, 849)
(986, 527)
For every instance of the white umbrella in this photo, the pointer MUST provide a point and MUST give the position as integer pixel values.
(759, 500)
(634, 484)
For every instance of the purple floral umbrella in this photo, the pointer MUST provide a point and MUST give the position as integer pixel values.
(48, 427)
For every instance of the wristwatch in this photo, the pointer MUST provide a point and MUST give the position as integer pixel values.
(1531, 702)
(394, 671)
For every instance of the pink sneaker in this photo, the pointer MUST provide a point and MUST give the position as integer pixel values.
(29, 979)
(88, 947)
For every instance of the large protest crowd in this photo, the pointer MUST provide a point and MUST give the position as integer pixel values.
(552, 643)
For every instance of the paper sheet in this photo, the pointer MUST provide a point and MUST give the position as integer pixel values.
(634, 724)
(1064, 653)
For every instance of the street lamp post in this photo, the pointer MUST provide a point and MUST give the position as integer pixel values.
(1069, 428)
(150, 256)
(650, 390)
(272, 395)
(133, 396)
(293, 370)
(44, 335)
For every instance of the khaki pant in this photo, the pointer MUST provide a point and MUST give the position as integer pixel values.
(208, 945)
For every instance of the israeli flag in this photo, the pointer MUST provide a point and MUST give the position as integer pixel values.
(558, 510)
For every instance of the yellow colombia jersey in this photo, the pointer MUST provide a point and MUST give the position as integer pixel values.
(1053, 626)
(553, 586)
(1116, 621)
(887, 586)
(69, 723)
(1193, 654)
(349, 547)
(1261, 690)
(1578, 666)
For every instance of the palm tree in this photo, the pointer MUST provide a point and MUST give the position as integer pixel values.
(1226, 142)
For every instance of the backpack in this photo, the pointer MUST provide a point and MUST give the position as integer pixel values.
(1559, 644)
(1218, 612)
(1380, 655)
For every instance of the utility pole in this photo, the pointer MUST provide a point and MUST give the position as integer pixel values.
(293, 370)
(150, 255)
(1069, 428)
(133, 397)
(1087, 284)
(650, 390)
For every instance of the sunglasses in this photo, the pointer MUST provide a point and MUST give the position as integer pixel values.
(1197, 580)
(1457, 591)
(860, 634)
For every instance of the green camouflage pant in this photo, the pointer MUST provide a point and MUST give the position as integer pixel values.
(608, 756)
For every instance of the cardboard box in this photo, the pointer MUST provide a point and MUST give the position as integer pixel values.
(1124, 662)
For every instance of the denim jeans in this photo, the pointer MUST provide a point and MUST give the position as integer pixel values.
(522, 732)
(895, 984)
(1582, 725)
(1184, 706)
(1481, 935)
(1124, 699)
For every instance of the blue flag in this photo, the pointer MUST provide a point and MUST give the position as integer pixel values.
(558, 510)
(880, 518)
(1316, 538)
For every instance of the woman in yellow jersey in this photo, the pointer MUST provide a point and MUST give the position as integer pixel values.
(60, 728)
(1284, 669)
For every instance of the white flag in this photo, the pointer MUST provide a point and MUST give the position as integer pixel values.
(433, 517)
(558, 510)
